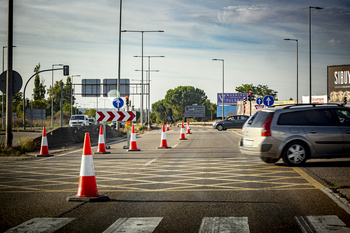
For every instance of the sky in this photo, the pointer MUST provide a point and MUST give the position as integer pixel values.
(249, 35)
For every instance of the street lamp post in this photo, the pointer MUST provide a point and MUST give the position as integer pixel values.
(297, 65)
(52, 93)
(71, 95)
(223, 85)
(317, 8)
(3, 96)
(149, 83)
(141, 120)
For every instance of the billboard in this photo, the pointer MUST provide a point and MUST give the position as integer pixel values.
(230, 98)
(338, 83)
(110, 87)
(91, 88)
(195, 111)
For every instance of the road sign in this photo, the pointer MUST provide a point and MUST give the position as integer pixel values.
(268, 100)
(259, 101)
(39, 114)
(17, 82)
(116, 116)
(195, 111)
(118, 102)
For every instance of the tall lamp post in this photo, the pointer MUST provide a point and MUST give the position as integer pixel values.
(52, 93)
(317, 8)
(3, 96)
(141, 68)
(297, 64)
(223, 85)
(71, 95)
(149, 83)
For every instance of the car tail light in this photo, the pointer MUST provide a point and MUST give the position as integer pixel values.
(266, 130)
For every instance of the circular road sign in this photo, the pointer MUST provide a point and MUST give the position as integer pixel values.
(268, 100)
(259, 101)
(118, 102)
(16, 83)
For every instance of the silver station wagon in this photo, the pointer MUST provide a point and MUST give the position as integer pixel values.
(297, 133)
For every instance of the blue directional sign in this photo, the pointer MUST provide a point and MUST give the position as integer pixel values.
(118, 102)
(259, 101)
(268, 100)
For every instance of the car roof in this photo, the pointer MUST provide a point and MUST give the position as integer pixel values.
(305, 106)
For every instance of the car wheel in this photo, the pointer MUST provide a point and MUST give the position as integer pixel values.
(269, 160)
(220, 127)
(295, 153)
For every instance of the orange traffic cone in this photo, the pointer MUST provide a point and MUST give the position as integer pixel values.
(188, 128)
(148, 127)
(101, 149)
(177, 124)
(44, 149)
(167, 126)
(182, 135)
(133, 145)
(163, 142)
(87, 189)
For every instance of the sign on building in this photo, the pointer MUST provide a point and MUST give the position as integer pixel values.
(338, 83)
(195, 111)
(91, 87)
(230, 98)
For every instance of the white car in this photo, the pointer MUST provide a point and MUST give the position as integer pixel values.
(79, 120)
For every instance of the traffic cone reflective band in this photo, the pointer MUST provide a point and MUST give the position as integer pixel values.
(188, 128)
(182, 135)
(133, 145)
(44, 149)
(87, 189)
(167, 126)
(163, 141)
(148, 128)
(101, 148)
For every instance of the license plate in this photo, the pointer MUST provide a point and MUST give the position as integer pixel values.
(247, 142)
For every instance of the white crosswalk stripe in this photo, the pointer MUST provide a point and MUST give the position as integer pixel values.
(308, 224)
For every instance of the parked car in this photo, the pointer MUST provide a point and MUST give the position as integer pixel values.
(297, 133)
(231, 122)
(79, 120)
(92, 121)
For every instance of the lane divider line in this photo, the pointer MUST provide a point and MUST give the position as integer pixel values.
(150, 162)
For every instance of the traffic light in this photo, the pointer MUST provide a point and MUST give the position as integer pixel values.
(249, 96)
(244, 100)
(127, 100)
(345, 100)
(65, 70)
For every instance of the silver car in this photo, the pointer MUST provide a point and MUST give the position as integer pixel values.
(230, 122)
(297, 133)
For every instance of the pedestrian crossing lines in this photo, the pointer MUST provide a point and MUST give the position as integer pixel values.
(307, 224)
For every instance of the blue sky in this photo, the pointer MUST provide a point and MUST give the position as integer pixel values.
(248, 35)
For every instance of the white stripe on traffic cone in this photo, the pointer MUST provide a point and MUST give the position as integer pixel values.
(163, 141)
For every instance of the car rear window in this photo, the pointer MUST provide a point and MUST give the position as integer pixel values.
(259, 119)
(320, 117)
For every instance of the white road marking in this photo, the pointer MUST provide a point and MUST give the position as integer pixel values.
(148, 163)
(175, 145)
(134, 225)
(239, 134)
(224, 224)
(46, 225)
(322, 224)
(342, 202)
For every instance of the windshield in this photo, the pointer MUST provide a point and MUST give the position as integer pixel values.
(77, 118)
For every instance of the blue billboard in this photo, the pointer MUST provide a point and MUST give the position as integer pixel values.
(228, 111)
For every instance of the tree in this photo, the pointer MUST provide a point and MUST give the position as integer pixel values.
(182, 96)
(161, 110)
(91, 112)
(259, 91)
(39, 87)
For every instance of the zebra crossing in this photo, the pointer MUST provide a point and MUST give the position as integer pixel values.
(307, 224)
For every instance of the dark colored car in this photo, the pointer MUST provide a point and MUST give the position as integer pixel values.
(230, 122)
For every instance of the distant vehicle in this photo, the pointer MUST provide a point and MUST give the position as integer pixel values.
(79, 120)
(114, 125)
(230, 122)
(297, 133)
(92, 121)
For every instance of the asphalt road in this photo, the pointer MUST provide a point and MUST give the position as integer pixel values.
(202, 184)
